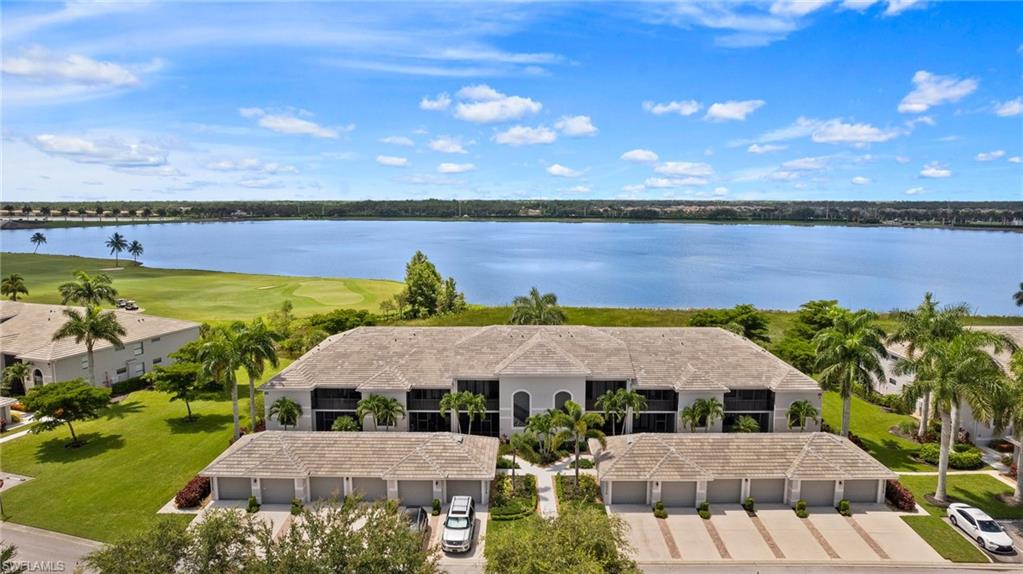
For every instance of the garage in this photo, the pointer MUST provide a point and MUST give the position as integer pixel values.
(727, 491)
(233, 488)
(325, 488)
(818, 492)
(464, 488)
(370, 488)
(277, 490)
(767, 489)
(678, 494)
(415, 492)
(628, 492)
(861, 490)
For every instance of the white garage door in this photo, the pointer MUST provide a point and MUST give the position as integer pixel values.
(234, 488)
(628, 492)
(277, 490)
(725, 491)
(415, 492)
(465, 488)
(860, 490)
(678, 493)
(325, 488)
(370, 488)
(818, 492)
(767, 490)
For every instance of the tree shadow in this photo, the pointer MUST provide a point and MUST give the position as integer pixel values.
(58, 449)
(201, 423)
(123, 409)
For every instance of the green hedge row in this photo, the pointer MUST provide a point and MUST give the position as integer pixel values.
(129, 386)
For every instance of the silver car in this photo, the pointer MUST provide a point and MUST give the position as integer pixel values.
(459, 526)
(980, 527)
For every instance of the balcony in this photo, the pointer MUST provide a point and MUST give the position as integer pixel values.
(329, 404)
(747, 400)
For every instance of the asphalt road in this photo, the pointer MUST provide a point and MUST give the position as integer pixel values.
(46, 551)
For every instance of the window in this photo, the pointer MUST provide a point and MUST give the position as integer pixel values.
(85, 363)
(137, 348)
(520, 408)
(154, 339)
(157, 360)
(37, 377)
(118, 347)
(560, 398)
(122, 370)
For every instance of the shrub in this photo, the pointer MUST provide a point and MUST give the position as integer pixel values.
(436, 507)
(660, 513)
(588, 491)
(1001, 445)
(129, 386)
(583, 463)
(749, 504)
(253, 505)
(899, 496)
(15, 418)
(296, 506)
(659, 505)
(801, 508)
(704, 510)
(506, 463)
(844, 508)
(962, 456)
(511, 500)
(193, 493)
(1013, 470)
(908, 428)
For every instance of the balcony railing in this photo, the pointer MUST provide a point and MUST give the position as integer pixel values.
(334, 404)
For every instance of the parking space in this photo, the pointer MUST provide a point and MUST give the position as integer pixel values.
(790, 533)
(691, 536)
(1015, 530)
(644, 533)
(277, 516)
(893, 535)
(474, 556)
(841, 535)
(740, 535)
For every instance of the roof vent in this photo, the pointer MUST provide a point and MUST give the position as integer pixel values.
(459, 438)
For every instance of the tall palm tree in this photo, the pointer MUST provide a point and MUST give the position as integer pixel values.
(218, 355)
(88, 290)
(475, 406)
(90, 327)
(388, 411)
(634, 403)
(691, 416)
(578, 426)
(799, 412)
(136, 250)
(453, 403)
(15, 373)
(712, 411)
(256, 345)
(537, 309)
(12, 286)
(287, 412)
(369, 406)
(1018, 295)
(37, 239)
(849, 353)
(116, 243)
(612, 403)
(1012, 415)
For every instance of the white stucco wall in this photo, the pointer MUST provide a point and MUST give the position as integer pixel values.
(687, 398)
(541, 391)
(303, 397)
(782, 402)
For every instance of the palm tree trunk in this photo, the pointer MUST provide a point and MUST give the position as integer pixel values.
(252, 402)
(234, 410)
(925, 414)
(955, 424)
(946, 440)
(513, 468)
(846, 412)
(1018, 495)
(92, 363)
(576, 462)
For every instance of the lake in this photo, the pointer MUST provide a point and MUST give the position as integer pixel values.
(600, 264)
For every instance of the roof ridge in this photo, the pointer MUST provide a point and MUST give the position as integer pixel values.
(539, 338)
(629, 445)
(673, 451)
(464, 447)
(809, 450)
(417, 451)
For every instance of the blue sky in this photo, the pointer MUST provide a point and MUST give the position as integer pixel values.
(849, 100)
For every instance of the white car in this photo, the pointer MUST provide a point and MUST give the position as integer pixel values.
(459, 526)
(981, 527)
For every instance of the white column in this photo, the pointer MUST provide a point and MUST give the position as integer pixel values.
(744, 491)
(346, 486)
(655, 492)
(701, 492)
(438, 490)
(839, 491)
(302, 489)
(257, 490)
(392, 490)
(881, 488)
(794, 491)
(610, 492)
(214, 488)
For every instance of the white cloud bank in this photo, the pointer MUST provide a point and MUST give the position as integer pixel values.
(525, 135)
(640, 156)
(932, 90)
(286, 123)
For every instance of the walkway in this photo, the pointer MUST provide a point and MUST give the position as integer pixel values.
(45, 550)
(545, 481)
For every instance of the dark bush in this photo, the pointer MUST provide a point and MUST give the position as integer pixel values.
(129, 386)
(899, 496)
(193, 493)
(588, 491)
(435, 506)
(340, 320)
(511, 500)
(844, 508)
(296, 507)
(253, 506)
(749, 504)
(1001, 445)
(584, 463)
(704, 510)
(1013, 470)
(506, 463)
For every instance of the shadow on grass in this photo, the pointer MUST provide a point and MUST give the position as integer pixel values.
(58, 448)
(893, 454)
(200, 423)
(123, 409)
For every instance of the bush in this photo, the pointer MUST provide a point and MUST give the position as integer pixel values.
(1013, 470)
(15, 418)
(801, 508)
(660, 513)
(899, 496)
(436, 507)
(129, 386)
(802, 513)
(253, 505)
(587, 492)
(584, 463)
(1001, 445)
(844, 508)
(908, 428)
(511, 500)
(506, 463)
(193, 493)
(296, 506)
(962, 456)
(704, 510)
(749, 504)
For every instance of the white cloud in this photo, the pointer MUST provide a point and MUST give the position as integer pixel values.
(525, 135)
(428, 179)
(915, 191)
(479, 92)
(398, 140)
(447, 144)
(633, 188)
(765, 148)
(805, 164)
(250, 164)
(928, 120)
(39, 64)
(111, 151)
(858, 5)
(640, 155)
(990, 155)
(935, 170)
(576, 126)
(837, 131)
(673, 182)
(559, 170)
(392, 161)
(1010, 108)
(1015, 159)
(286, 123)
(682, 108)
(685, 168)
(259, 183)
(436, 104)
(797, 7)
(782, 175)
(455, 167)
(895, 7)
(860, 180)
(932, 90)
(720, 191)
(732, 110)
(902, 159)
(482, 104)
(578, 189)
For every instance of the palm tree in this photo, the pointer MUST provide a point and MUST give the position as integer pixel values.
(849, 353)
(65, 211)
(475, 405)
(612, 403)
(1018, 295)
(218, 355)
(12, 286)
(287, 412)
(15, 373)
(117, 243)
(37, 239)
(691, 416)
(136, 250)
(537, 309)
(1011, 415)
(389, 410)
(344, 424)
(578, 426)
(88, 290)
(90, 327)
(256, 346)
(544, 427)
(453, 403)
(634, 403)
(712, 410)
(746, 424)
(520, 442)
(799, 412)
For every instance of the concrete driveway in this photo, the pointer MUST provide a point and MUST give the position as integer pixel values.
(740, 535)
(841, 535)
(277, 516)
(893, 535)
(791, 534)
(472, 560)
(645, 534)
(46, 551)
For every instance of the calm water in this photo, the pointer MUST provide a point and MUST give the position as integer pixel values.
(600, 264)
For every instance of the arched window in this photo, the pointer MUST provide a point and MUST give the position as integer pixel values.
(37, 378)
(520, 408)
(560, 398)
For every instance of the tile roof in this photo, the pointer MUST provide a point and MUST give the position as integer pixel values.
(1013, 332)
(27, 330)
(683, 358)
(387, 455)
(688, 456)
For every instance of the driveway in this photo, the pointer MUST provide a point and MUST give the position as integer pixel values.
(893, 535)
(471, 561)
(794, 539)
(46, 551)
(1015, 530)
(277, 516)
(645, 534)
(740, 535)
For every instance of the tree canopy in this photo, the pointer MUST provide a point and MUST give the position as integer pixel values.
(57, 404)
(744, 320)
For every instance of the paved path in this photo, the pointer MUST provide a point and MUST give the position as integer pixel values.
(544, 487)
(44, 550)
(8, 437)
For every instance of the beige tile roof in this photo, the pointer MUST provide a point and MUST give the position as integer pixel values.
(1014, 332)
(688, 456)
(684, 358)
(27, 330)
(387, 455)
(7, 401)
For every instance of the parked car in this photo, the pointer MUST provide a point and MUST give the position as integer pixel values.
(981, 527)
(131, 305)
(459, 526)
(121, 303)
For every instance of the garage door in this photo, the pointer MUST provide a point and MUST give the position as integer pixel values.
(861, 490)
(324, 488)
(767, 490)
(818, 492)
(370, 488)
(415, 492)
(725, 491)
(277, 490)
(234, 488)
(465, 488)
(628, 492)
(678, 494)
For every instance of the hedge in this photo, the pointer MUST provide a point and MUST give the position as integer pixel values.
(962, 456)
(899, 496)
(129, 386)
(193, 493)
(512, 501)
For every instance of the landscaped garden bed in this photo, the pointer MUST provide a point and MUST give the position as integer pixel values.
(585, 494)
(513, 498)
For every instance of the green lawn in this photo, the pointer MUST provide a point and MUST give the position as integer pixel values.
(138, 454)
(871, 423)
(200, 295)
(979, 490)
(944, 539)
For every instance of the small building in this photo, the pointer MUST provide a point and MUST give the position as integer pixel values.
(5, 408)
(684, 470)
(26, 335)
(414, 468)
